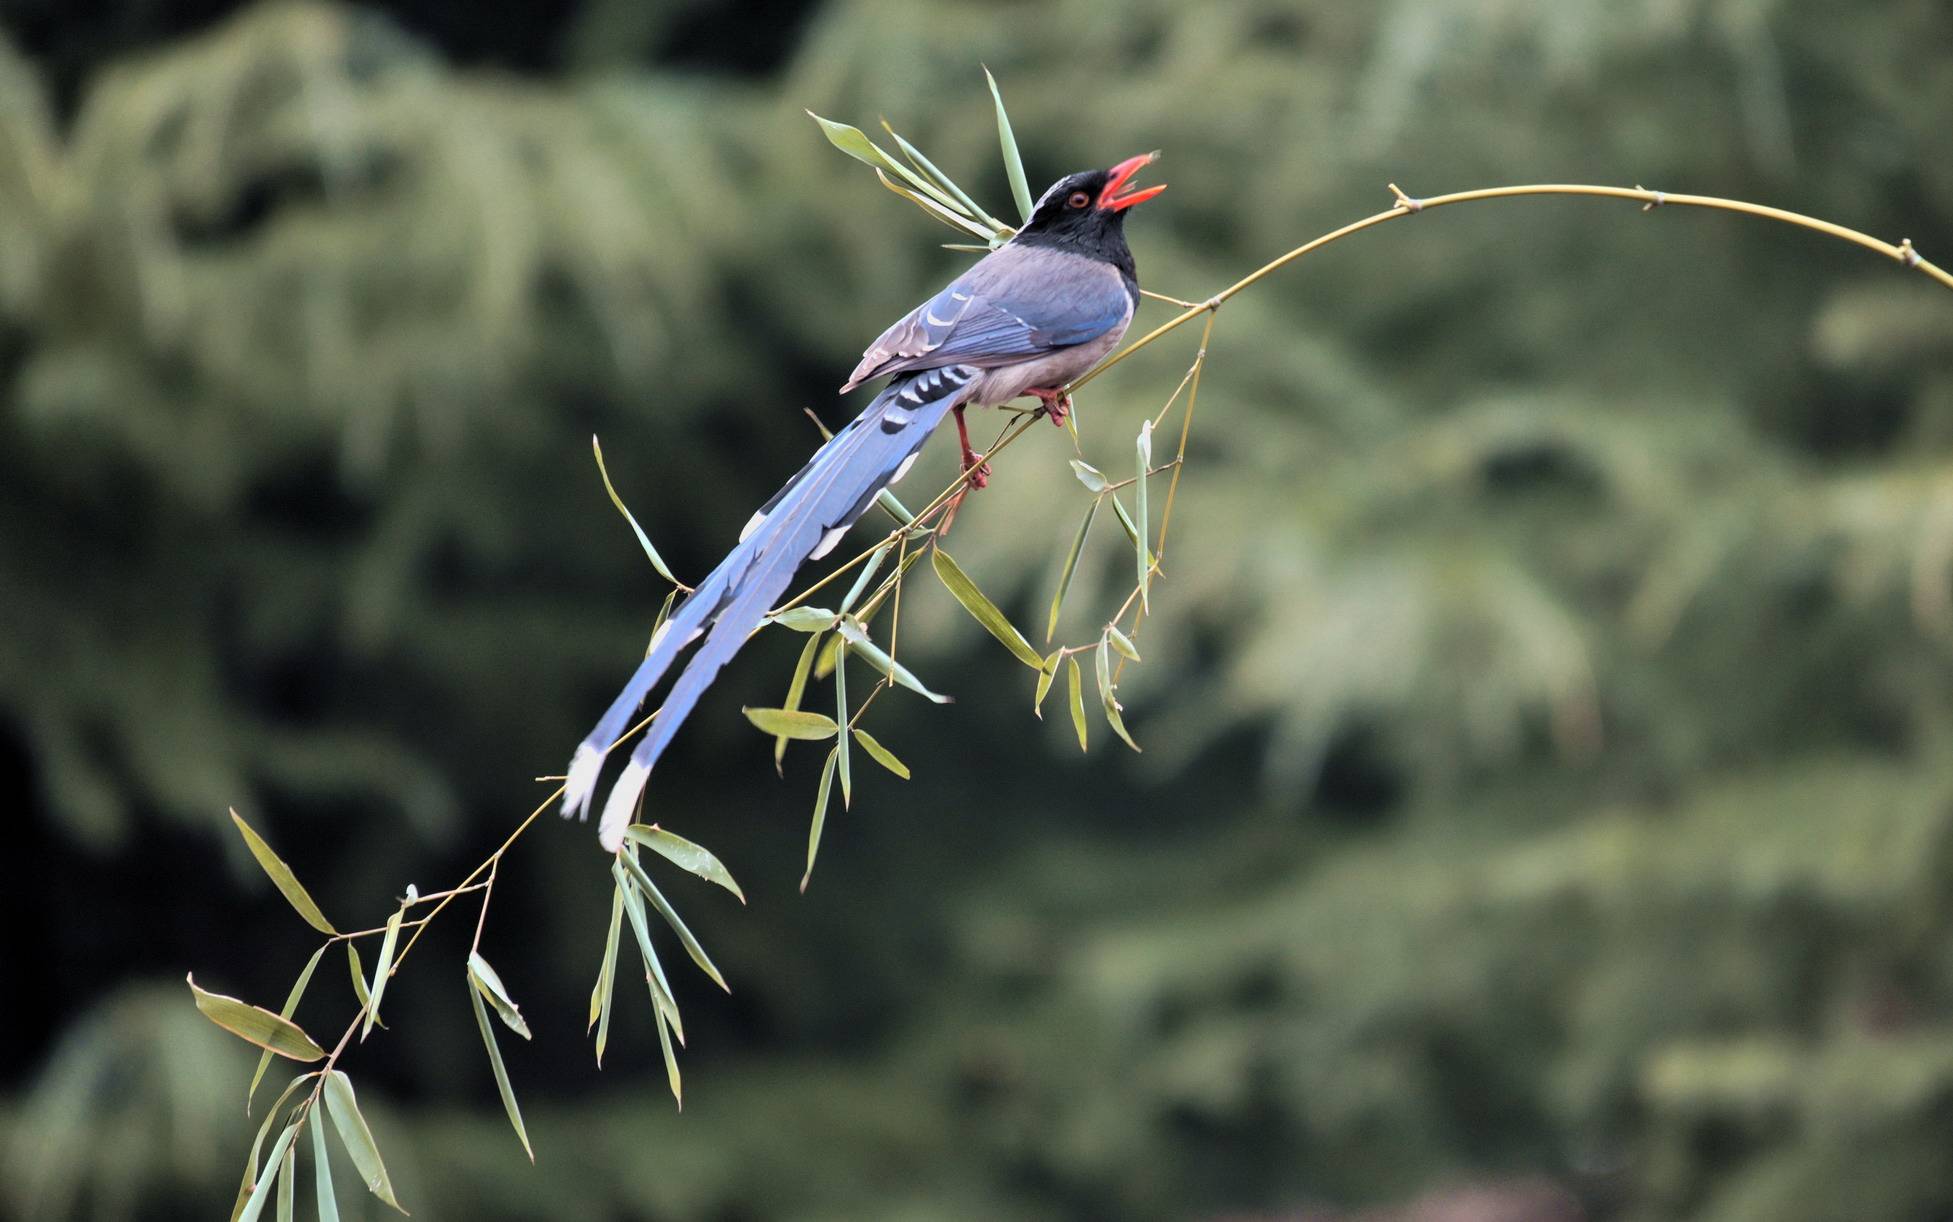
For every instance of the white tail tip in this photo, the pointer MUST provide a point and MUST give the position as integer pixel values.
(581, 784)
(618, 807)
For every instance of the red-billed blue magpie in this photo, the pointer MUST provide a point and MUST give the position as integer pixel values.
(1026, 319)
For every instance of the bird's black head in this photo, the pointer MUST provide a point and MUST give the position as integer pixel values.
(1086, 212)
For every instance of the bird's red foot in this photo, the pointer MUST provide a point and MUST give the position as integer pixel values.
(979, 470)
(1057, 404)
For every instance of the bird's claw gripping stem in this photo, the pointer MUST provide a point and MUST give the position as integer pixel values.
(1057, 404)
(972, 461)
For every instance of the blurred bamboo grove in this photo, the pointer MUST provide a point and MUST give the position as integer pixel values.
(1547, 799)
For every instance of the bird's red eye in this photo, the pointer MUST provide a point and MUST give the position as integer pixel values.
(1078, 199)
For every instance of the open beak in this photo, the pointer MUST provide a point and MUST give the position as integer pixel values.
(1111, 199)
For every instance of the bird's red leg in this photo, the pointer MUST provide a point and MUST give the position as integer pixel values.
(972, 461)
(1057, 404)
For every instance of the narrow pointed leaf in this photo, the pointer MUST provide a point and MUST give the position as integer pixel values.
(1065, 575)
(1020, 189)
(968, 248)
(944, 181)
(654, 970)
(860, 642)
(672, 1075)
(820, 819)
(810, 727)
(267, 1181)
(288, 1182)
(359, 979)
(495, 1063)
(291, 1004)
(343, 1106)
(795, 690)
(678, 926)
(866, 575)
(328, 1200)
(841, 718)
(643, 540)
(1090, 476)
(606, 987)
(824, 661)
(257, 1143)
(805, 619)
(1077, 700)
(1102, 662)
(856, 144)
(880, 597)
(1144, 451)
(381, 971)
(256, 1024)
(1121, 642)
(687, 856)
(881, 755)
(965, 591)
(489, 982)
(942, 212)
(1046, 674)
(282, 877)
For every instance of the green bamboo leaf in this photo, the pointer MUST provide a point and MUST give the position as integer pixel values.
(1144, 450)
(942, 212)
(860, 642)
(1020, 189)
(1065, 574)
(257, 1025)
(274, 1165)
(671, 1062)
(606, 987)
(359, 981)
(654, 969)
(643, 540)
(343, 1106)
(658, 621)
(1090, 476)
(687, 856)
(291, 1004)
(288, 1182)
(490, 983)
(965, 591)
(322, 1173)
(1077, 700)
(282, 877)
(820, 819)
(866, 575)
(475, 992)
(881, 755)
(1102, 662)
(824, 661)
(678, 926)
(841, 718)
(809, 727)
(856, 144)
(1046, 674)
(1121, 642)
(382, 970)
(804, 619)
(928, 168)
(968, 248)
(795, 690)
(257, 1143)
(866, 615)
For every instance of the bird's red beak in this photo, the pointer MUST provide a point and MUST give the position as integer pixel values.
(1122, 173)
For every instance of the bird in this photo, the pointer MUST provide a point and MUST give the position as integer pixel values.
(1026, 319)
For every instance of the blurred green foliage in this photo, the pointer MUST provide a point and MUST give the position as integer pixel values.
(1545, 704)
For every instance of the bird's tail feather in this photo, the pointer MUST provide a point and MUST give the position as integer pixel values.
(803, 521)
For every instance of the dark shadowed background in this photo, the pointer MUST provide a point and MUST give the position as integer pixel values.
(1547, 803)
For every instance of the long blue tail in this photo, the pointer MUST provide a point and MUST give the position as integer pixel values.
(803, 521)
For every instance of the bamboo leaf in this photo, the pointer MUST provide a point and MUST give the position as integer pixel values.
(856, 144)
(1077, 700)
(1090, 476)
(820, 819)
(274, 1165)
(795, 690)
(678, 926)
(809, 727)
(1046, 674)
(947, 215)
(866, 575)
(381, 971)
(606, 987)
(841, 718)
(475, 992)
(282, 877)
(322, 1173)
(643, 540)
(359, 980)
(343, 1106)
(256, 1025)
(1143, 448)
(671, 1062)
(288, 1182)
(257, 1143)
(824, 661)
(1065, 575)
(654, 969)
(965, 591)
(944, 181)
(881, 755)
(1020, 190)
(490, 983)
(805, 619)
(291, 1004)
(861, 643)
(1102, 662)
(687, 856)
(1121, 642)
